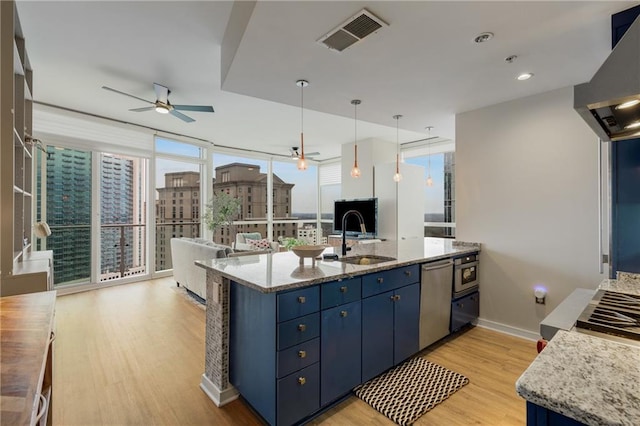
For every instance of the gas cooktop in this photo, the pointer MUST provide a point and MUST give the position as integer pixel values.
(612, 313)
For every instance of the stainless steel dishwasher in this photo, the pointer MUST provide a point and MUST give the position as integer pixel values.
(435, 301)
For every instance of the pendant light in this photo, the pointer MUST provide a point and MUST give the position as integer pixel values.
(429, 180)
(302, 162)
(397, 177)
(355, 171)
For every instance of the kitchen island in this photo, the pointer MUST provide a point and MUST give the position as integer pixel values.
(279, 273)
(584, 379)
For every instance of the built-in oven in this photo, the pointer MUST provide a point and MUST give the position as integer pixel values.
(465, 275)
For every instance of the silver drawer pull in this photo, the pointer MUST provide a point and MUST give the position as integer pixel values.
(302, 299)
(302, 327)
(52, 337)
(344, 289)
(343, 314)
(380, 280)
(43, 407)
(302, 354)
(302, 381)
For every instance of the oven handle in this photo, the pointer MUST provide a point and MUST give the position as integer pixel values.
(467, 265)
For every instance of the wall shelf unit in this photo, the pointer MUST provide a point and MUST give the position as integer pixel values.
(18, 274)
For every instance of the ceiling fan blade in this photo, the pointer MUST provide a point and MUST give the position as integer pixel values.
(126, 94)
(181, 116)
(311, 154)
(142, 109)
(197, 108)
(162, 92)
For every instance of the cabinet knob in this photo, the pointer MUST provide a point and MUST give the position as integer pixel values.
(302, 299)
(302, 380)
(343, 289)
(380, 280)
(461, 305)
(302, 327)
(407, 273)
(302, 354)
(343, 314)
(395, 298)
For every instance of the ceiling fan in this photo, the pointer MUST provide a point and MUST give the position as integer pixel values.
(162, 104)
(295, 153)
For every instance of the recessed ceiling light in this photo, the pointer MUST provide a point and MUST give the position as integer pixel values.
(628, 104)
(482, 37)
(633, 125)
(525, 76)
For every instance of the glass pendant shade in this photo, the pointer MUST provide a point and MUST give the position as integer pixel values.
(429, 181)
(302, 162)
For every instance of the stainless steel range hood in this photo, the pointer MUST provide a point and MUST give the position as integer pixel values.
(610, 102)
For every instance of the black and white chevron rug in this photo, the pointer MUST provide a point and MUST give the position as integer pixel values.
(409, 390)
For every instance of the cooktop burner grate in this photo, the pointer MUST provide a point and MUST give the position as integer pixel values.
(612, 313)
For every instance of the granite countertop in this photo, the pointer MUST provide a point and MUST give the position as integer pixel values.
(590, 379)
(281, 271)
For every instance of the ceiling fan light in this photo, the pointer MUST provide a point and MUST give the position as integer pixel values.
(162, 109)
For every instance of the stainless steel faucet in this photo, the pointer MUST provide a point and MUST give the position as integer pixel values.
(344, 228)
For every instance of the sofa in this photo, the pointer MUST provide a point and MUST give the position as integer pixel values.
(253, 241)
(184, 252)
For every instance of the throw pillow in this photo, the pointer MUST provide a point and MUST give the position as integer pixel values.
(252, 236)
(259, 244)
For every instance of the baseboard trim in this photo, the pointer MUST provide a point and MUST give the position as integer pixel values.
(507, 329)
(219, 397)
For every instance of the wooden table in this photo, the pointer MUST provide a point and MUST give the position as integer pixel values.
(26, 355)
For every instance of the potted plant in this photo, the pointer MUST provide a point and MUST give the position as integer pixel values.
(289, 242)
(221, 210)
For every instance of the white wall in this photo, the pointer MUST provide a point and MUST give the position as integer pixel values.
(526, 188)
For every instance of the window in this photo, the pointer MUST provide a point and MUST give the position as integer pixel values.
(439, 208)
(225, 177)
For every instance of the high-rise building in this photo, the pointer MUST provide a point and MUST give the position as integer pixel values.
(245, 181)
(177, 213)
(116, 207)
(69, 213)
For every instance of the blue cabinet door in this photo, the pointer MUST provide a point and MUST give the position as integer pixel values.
(298, 395)
(540, 416)
(377, 335)
(340, 349)
(406, 322)
(465, 310)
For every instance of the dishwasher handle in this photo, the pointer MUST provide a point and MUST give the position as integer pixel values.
(437, 265)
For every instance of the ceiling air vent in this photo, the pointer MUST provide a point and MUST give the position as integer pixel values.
(352, 31)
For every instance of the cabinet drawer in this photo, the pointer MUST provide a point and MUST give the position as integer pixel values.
(388, 280)
(405, 275)
(465, 310)
(298, 395)
(340, 292)
(377, 283)
(298, 330)
(297, 303)
(297, 357)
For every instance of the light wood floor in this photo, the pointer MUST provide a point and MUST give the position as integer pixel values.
(134, 354)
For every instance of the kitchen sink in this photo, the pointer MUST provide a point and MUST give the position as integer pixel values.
(366, 259)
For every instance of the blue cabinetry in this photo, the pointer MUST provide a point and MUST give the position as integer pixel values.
(390, 319)
(539, 416)
(464, 310)
(341, 350)
(274, 351)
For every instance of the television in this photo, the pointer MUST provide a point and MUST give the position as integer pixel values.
(368, 208)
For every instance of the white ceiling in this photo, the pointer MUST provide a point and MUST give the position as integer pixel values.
(424, 65)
